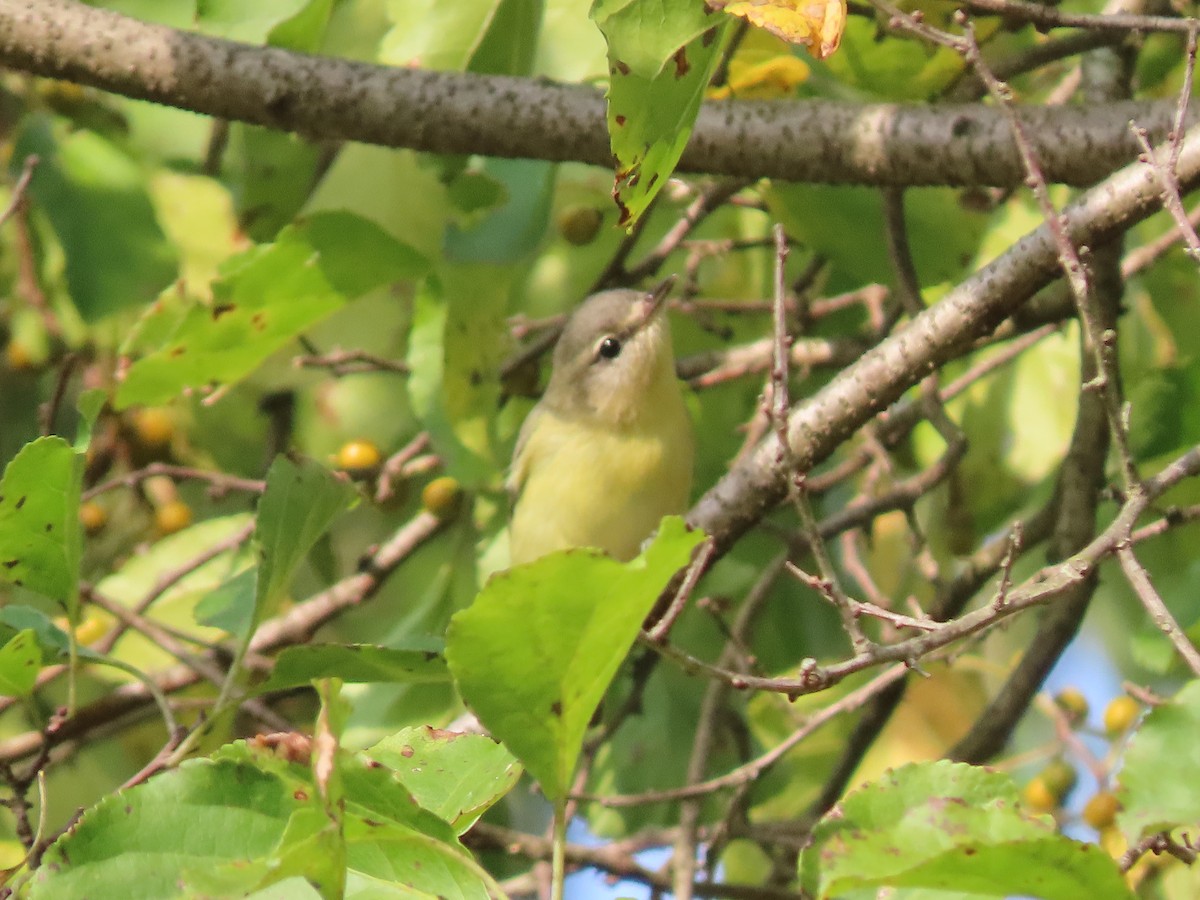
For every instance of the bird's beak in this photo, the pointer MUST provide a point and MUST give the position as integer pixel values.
(654, 301)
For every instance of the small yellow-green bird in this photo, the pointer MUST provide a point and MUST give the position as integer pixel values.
(607, 451)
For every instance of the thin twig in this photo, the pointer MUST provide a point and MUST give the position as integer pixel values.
(351, 362)
(750, 771)
(698, 566)
(221, 483)
(1139, 580)
(1164, 169)
(19, 189)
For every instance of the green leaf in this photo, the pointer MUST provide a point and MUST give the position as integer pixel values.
(1166, 741)
(643, 34)
(893, 70)
(230, 606)
(265, 298)
(396, 189)
(305, 29)
(95, 197)
(475, 345)
(249, 23)
(249, 819)
(189, 819)
(52, 640)
(845, 225)
(515, 222)
(40, 535)
(271, 175)
(142, 572)
(293, 888)
(1151, 650)
(950, 826)
(90, 404)
(300, 502)
(1156, 423)
(473, 190)
(371, 791)
(391, 841)
(458, 341)
(310, 847)
(510, 44)
(397, 863)
(20, 662)
(354, 663)
(176, 13)
(434, 34)
(453, 775)
(535, 652)
(650, 117)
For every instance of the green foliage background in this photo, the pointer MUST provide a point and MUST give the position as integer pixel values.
(183, 266)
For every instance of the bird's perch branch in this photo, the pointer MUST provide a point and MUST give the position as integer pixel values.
(818, 425)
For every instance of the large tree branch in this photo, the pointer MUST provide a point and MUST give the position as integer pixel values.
(818, 425)
(444, 112)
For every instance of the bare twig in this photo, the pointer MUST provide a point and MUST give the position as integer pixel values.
(745, 774)
(20, 187)
(1164, 169)
(351, 362)
(661, 628)
(1139, 580)
(221, 483)
(1157, 844)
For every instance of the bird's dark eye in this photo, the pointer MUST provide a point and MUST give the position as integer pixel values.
(610, 348)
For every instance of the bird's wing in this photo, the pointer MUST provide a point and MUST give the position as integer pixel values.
(523, 455)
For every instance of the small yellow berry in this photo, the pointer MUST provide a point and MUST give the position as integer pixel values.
(579, 225)
(1038, 796)
(154, 428)
(1101, 810)
(358, 458)
(1059, 776)
(18, 356)
(1072, 702)
(93, 517)
(172, 517)
(442, 496)
(92, 628)
(1120, 714)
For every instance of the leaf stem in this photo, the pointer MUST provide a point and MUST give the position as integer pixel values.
(558, 857)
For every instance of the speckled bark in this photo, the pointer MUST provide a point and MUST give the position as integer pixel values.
(517, 117)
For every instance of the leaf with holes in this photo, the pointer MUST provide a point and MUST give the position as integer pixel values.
(650, 117)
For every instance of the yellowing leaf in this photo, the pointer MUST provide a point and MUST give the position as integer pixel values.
(769, 80)
(816, 24)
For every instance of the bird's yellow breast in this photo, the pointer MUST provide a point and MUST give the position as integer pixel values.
(587, 484)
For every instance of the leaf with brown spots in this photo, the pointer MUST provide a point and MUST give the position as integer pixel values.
(946, 826)
(650, 120)
(264, 299)
(454, 775)
(40, 534)
(661, 54)
(20, 662)
(645, 35)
